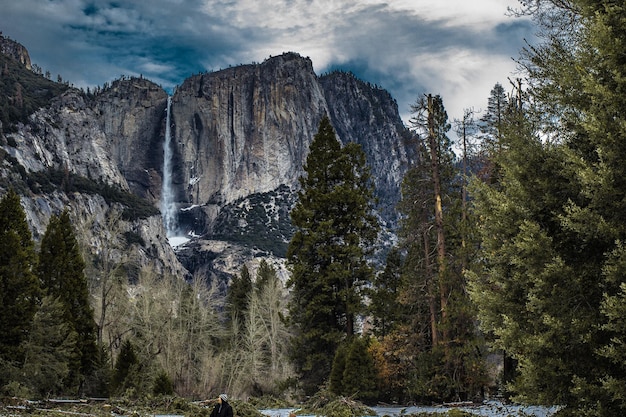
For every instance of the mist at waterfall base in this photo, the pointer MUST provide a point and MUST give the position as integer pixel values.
(168, 201)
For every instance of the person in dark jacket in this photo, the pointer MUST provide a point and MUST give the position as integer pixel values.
(222, 408)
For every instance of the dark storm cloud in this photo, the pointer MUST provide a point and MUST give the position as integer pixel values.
(406, 46)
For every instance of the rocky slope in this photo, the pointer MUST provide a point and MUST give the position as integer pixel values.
(239, 141)
(15, 50)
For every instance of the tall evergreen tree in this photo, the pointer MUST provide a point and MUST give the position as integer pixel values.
(48, 350)
(550, 287)
(384, 306)
(61, 271)
(126, 373)
(360, 379)
(491, 126)
(239, 294)
(439, 318)
(265, 275)
(327, 254)
(492, 122)
(19, 286)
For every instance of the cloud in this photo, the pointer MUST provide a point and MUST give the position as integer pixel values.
(456, 48)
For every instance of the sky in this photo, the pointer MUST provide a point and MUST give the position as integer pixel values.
(458, 49)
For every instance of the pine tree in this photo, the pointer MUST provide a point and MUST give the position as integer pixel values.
(48, 350)
(238, 295)
(439, 319)
(335, 380)
(360, 379)
(385, 307)
(334, 226)
(61, 270)
(126, 372)
(163, 384)
(492, 122)
(264, 275)
(550, 287)
(20, 292)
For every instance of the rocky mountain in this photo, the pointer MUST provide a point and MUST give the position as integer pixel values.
(15, 50)
(239, 139)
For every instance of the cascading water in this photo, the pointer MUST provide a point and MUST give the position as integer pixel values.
(168, 201)
(168, 209)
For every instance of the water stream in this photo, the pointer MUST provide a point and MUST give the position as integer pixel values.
(168, 196)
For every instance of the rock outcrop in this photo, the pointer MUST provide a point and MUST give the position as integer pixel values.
(15, 50)
(368, 115)
(240, 138)
(244, 130)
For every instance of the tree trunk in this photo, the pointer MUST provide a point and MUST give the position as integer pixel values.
(432, 305)
(441, 245)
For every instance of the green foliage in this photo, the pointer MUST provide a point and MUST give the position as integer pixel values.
(324, 403)
(238, 294)
(336, 373)
(98, 383)
(360, 379)
(334, 224)
(346, 408)
(61, 271)
(49, 350)
(163, 384)
(126, 372)
(265, 275)
(53, 179)
(22, 92)
(384, 307)
(19, 287)
(431, 311)
(549, 284)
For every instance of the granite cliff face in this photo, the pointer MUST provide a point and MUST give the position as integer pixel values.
(369, 116)
(240, 138)
(247, 130)
(15, 50)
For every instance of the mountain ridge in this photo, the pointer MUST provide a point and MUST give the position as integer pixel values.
(237, 133)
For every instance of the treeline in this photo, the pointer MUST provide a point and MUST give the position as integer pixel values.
(56, 179)
(22, 92)
(71, 327)
(48, 335)
(516, 245)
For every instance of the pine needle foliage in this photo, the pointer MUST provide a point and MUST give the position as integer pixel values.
(20, 291)
(61, 271)
(327, 254)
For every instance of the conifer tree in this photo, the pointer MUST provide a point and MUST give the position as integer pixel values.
(335, 380)
(550, 287)
(126, 373)
(238, 295)
(264, 275)
(61, 270)
(48, 350)
(334, 227)
(492, 122)
(384, 307)
(360, 379)
(438, 317)
(19, 287)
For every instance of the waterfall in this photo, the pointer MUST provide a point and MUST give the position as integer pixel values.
(168, 203)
